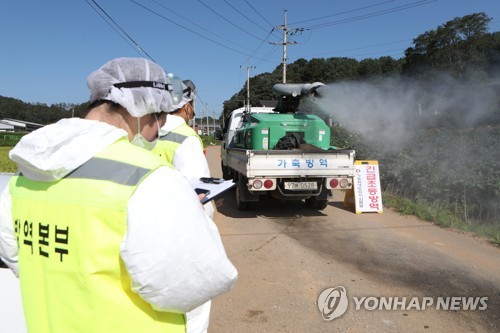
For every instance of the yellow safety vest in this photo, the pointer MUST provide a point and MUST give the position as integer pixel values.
(69, 234)
(169, 143)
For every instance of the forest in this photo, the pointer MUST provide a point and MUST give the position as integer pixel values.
(431, 118)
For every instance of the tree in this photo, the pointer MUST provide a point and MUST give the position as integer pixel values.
(39, 113)
(296, 71)
(315, 71)
(454, 47)
(368, 67)
(341, 69)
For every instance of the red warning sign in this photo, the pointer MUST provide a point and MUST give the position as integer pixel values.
(366, 187)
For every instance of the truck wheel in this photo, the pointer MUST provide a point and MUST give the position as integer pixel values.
(240, 205)
(316, 204)
(225, 172)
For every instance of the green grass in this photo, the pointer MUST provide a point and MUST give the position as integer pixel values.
(6, 165)
(209, 140)
(10, 139)
(442, 215)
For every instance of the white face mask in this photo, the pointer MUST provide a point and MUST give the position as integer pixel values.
(141, 141)
(191, 121)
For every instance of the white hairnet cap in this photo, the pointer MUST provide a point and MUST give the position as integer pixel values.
(139, 85)
(188, 93)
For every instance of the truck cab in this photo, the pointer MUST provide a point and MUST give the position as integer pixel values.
(232, 124)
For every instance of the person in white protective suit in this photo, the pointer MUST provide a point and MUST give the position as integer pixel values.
(104, 235)
(181, 146)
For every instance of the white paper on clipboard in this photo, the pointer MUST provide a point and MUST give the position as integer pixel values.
(215, 189)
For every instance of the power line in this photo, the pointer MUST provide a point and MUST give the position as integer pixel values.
(262, 59)
(249, 19)
(225, 19)
(255, 10)
(358, 48)
(192, 31)
(384, 52)
(199, 26)
(266, 56)
(346, 12)
(374, 14)
(102, 11)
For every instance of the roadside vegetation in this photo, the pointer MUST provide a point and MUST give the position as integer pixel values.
(448, 177)
(6, 165)
(7, 141)
(209, 140)
(442, 214)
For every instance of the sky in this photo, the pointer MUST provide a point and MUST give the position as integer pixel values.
(48, 48)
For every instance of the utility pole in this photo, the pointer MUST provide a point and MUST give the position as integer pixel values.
(247, 106)
(286, 31)
(206, 105)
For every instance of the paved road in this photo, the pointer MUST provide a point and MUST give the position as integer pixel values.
(287, 255)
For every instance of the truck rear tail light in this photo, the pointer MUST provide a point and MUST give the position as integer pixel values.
(257, 184)
(262, 184)
(338, 183)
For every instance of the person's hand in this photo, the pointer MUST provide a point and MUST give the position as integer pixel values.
(201, 196)
(202, 193)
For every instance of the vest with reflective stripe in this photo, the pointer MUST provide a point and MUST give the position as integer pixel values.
(169, 143)
(69, 234)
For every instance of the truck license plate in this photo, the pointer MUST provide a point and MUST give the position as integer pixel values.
(299, 186)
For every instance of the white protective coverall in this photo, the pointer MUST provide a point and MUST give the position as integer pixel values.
(190, 160)
(172, 250)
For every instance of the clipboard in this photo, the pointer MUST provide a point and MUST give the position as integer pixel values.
(215, 186)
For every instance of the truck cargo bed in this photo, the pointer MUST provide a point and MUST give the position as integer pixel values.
(291, 163)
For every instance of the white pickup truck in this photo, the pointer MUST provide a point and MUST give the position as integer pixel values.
(283, 155)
